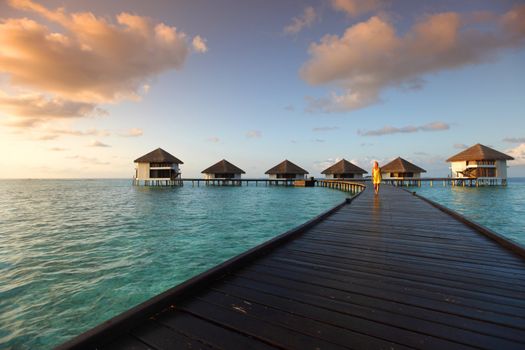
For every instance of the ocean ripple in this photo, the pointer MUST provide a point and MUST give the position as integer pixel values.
(74, 253)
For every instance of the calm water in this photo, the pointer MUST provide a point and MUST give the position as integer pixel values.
(499, 208)
(75, 253)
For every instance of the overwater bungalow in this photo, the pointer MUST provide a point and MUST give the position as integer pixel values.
(157, 168)
(286, 170)
(401, 170)
(480, 163)
(223, 170)
(344, 170)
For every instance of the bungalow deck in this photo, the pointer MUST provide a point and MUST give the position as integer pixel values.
(386, 272)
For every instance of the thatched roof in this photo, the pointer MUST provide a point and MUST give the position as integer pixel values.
(344, 167)
(286, 167)
(223, 167)
(400, 165)
(158, 156)
(479, 152)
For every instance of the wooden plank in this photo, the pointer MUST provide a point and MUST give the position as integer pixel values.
(242, 322)
(211, 333)
(345, 277)
(268, 312)
(380, 256)
(457, 307)
(338, 300)
(417, 325)
(516, 284)
(384, 250)
(408, 238)
(430, 249)
(127, 342)
(422, 268)
(371, 322)
(163, 338)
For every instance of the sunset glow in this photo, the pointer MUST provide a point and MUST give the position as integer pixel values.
(86, 87)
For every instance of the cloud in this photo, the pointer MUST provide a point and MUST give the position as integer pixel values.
(325, 128)
(254, 134)
(133, 132)
(319, 140)
(73, 132)
(518, 153)
(37, 107)
(96, 143)
(80, 60)
(58, 149)
(90, 160)
(289, 108)
(388, 130)
(199, 44)
(213, 139)
(21, 123)
(306, 19)
(47, 137)
(370, 56)
(514, 139)
(460, 146)
(321, 165)
(355, 8)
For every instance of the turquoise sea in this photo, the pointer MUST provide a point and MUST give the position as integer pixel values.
(74, 253)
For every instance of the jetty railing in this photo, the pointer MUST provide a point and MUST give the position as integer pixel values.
(343, 185)
(446, 181)
(239, 182)
(310, 182)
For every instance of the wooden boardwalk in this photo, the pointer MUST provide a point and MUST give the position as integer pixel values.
(386, 272)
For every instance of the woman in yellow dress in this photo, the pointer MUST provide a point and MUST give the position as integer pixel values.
(376, 177)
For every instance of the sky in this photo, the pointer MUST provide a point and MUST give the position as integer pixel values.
(88, 86)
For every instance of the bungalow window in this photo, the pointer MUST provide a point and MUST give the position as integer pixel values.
(160, 173)
(286, 176)
(486, 172)
(160, 165)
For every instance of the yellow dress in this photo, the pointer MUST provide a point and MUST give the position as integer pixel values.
(376, 176)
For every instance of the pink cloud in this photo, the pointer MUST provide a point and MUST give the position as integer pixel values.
(389, 130)
(306, 19)
(370, 56)
(81, 60)
(518, 153)
(96, 143)
(355, 8)
(133, 132)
